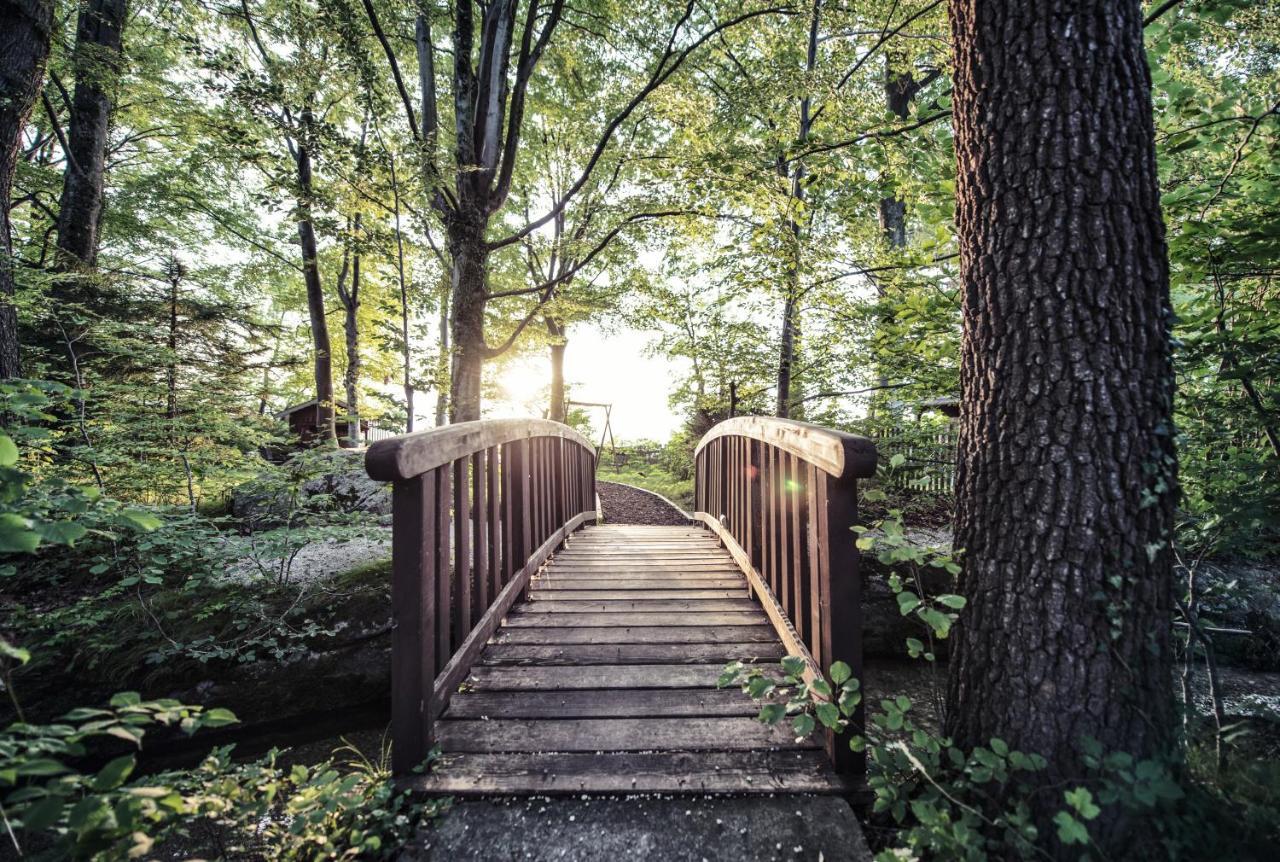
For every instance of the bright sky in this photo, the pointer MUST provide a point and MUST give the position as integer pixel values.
(608, 368)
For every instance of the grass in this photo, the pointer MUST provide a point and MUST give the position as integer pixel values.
(652, 478)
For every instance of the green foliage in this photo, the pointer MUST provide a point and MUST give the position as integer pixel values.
(54, 810)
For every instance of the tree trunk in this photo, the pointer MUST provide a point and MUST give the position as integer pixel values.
(97, 63)
(796, 171)
(24, 50)
(558, 344)
(898, 89)
(1066, 483)
(351, 329)
(470, 256)
(326, 433)
(443, 362)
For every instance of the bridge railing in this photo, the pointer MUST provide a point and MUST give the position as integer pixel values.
(477, 507)
(782, 495)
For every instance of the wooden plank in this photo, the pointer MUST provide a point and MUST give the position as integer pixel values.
(645, 653)
(413, 585)
(835, 452)
(615, 734)
(606, 703)
(413, 454)
(594, 595)
(496, 563)
(569, 582)
(635, 634)
(463, 588)
(480, 507)
(484, 678)
(529, 619)
(754, 772)
(625, 572)
(664, 606)
(444, 567)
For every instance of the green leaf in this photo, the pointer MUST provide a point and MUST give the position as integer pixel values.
(897, 460)
(141, 519)
(793, 665)
(18, 654)
(8, 451)
(772, 713)
(828, 714)
(952, 601)
(803, 725)
(840, 672)
(1082, 801)
(114, 773)
(1070, 830)
(218, 717)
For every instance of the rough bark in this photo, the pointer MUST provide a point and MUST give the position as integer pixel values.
(322, 361)
(469, 286)
(1067, 478)
(24, 50)
(559, 343)
(97, 63)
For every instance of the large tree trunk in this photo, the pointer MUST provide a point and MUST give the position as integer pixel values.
(556, 330)
(1067, 478)
(470, 257)
(97, 63)
(322, 359)
(24, 50)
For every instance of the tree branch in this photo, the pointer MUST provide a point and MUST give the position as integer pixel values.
(660, 75)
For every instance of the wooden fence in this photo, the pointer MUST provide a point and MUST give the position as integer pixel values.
(928, 456)
(477, 507)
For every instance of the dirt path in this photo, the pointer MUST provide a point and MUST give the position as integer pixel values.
(623, 504)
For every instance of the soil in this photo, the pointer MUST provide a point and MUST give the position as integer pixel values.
(623, 504)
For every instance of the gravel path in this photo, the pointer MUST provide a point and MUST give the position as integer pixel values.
(623, 504)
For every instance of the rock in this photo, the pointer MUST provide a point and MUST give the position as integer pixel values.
(339, 480)
(673, 829)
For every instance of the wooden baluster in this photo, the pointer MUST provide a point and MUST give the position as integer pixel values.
(413, 607)
(462, 586)
(444, 567)
(753, 504)
(480, 505)
(495, 523)
(812, 479)
(527, 504)
(840, 597)
(795, 495)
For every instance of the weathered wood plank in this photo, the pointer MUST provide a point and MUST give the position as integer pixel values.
(636, 634)
(643, 605)
(484, 678)
(646, 653)
(594, 595)
(565, 582)
(628, 572)
(528, 618)
(616, 734)
(616, 703)
(662, 772)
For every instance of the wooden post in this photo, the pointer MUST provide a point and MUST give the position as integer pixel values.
(413, 606)
(840, 601)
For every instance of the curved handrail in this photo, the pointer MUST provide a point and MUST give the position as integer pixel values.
(409, 455)
(476, 509)
(839, 455)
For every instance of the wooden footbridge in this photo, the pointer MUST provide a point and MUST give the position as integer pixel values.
(545, 652)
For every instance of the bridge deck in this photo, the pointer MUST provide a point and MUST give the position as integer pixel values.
(604, 681)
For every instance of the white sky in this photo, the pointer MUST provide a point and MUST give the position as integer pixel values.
(608, 368)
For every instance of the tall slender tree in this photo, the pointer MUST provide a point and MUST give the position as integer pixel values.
(97, 60)
(1067, 476)
(24, 50)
